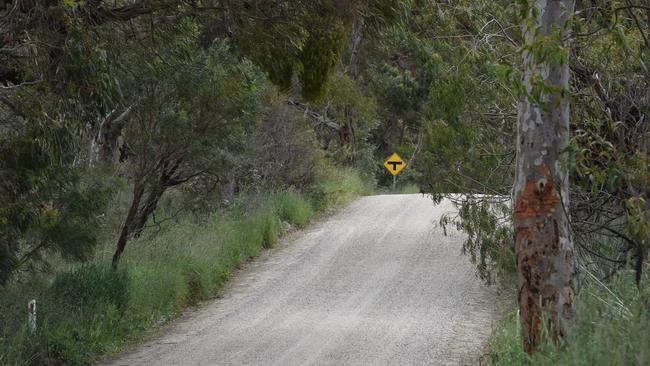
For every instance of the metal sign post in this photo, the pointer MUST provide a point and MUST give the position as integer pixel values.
(394, 164)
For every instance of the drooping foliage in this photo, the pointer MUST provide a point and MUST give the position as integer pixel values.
(158, 94)
(47, 207)
(191, 113)
(467, 123)
(186, 105)
(307, 43)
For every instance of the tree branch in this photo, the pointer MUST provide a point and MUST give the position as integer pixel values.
(316, 117)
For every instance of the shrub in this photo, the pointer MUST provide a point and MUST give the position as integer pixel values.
(81, 313)
(336, 185)
(611, 329)
(90, 310)
(293, 208)
(89, 286)
(283, 148)
(270, 228)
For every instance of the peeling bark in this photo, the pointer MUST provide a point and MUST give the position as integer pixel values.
(103, 145)
(357, 38)
(543, 244)
(347, 132)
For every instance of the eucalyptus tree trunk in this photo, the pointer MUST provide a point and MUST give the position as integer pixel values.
(127, 227)
(104, 143)
(347, 132)
(543, 245)
(357, 38)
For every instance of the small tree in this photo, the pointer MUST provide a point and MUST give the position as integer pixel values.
(48, 205)
(194, 109)
(543, 244)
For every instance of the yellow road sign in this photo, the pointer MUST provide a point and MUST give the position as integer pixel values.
(394, 164)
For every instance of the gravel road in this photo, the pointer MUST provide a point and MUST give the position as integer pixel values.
(375, 284)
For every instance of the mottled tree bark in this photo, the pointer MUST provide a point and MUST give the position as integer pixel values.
(357, 38)
(543, 245)
(347, 132)
(103, 145)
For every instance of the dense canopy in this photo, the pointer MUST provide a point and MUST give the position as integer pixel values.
(120, 119)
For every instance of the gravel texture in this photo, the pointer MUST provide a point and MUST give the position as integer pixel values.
(375, 284)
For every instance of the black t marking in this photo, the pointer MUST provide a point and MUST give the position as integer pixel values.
(394, 164)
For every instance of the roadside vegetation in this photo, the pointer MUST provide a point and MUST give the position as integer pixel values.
(148, 148)
(88, 310)
(611, 329)
(465, 129)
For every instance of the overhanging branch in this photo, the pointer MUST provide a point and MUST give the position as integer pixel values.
(318, 118)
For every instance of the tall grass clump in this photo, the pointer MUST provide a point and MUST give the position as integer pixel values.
(89, 310)
(335, 186)
(408, 188)
(79, 314)
(612, 328)
(293, 208)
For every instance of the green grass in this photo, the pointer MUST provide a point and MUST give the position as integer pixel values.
(408, 188)
(335, 186)
(404, 186)
(612, 328)
(87, 311)
(292, 208)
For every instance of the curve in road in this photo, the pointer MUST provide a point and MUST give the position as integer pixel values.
(375, 284)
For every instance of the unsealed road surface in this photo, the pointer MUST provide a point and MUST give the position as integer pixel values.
(376, 284)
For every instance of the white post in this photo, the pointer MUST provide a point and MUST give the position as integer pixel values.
(31, 316)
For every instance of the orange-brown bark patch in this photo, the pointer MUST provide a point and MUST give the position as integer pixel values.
(537, 199)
